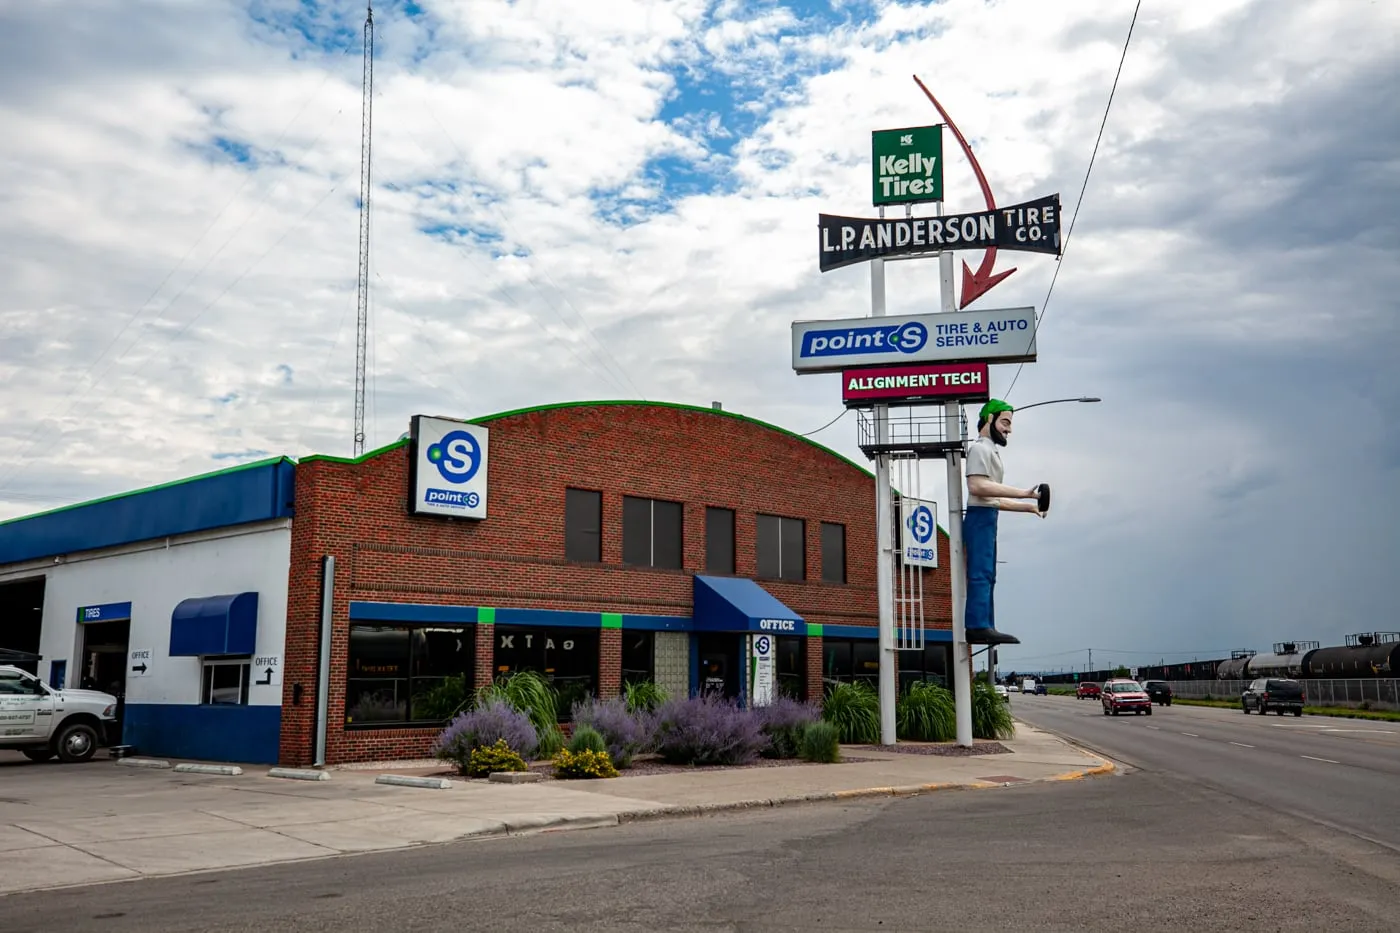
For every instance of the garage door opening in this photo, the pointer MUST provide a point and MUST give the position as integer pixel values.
(21, 622)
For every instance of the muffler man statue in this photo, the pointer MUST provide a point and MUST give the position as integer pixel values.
(986, 496)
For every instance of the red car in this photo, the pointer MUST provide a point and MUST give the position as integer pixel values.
(1091, 691)
(1125, 696)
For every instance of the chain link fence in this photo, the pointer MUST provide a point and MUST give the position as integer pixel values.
(1358, 693)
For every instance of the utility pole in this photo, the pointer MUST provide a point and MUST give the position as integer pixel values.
(1091, 659)
(362, 296)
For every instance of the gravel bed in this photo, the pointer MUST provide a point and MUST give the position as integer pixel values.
(949, 749)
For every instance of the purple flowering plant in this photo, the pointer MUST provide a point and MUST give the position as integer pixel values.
(482, 726)
(626, 733)
(708, 730)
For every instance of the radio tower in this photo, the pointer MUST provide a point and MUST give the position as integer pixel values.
(362, 298)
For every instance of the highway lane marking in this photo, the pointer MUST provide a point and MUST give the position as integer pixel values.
(1192, 734)
(1328, 760)
(1241, 745)
(1155, 728)
(1366, 731)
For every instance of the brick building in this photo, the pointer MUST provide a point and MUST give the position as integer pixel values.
(621, 541)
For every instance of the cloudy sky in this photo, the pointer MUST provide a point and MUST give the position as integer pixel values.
(617, 200)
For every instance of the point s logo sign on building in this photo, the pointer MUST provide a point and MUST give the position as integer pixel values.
(449, 469)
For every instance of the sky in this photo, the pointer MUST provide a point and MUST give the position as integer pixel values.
(618, 200)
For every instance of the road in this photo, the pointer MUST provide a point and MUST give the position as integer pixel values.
(1141, 851)
(1342, 773)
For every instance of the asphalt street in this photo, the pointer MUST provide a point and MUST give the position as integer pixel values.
(1342, 773)
(1141, 851)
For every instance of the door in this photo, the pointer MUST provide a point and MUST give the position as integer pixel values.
(26, 708)
(720, 657)
(105, 647)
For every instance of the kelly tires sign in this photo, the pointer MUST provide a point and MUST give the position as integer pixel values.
(1033, 227)
(449, 468)
(907, 165)
(1006, 336)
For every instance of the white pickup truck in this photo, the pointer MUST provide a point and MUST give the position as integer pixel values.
(43, 722)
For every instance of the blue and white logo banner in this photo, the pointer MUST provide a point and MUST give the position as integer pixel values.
(449, 468)
(1006, 336)
(918, 532)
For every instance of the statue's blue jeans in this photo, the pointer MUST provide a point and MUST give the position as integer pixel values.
(980, 552)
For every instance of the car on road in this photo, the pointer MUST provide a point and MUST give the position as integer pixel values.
(1041, 690)
(1087, 690)
(1120, 696)
(1003, 692)
(1159, 691)
(41, 722)
(1273, 693)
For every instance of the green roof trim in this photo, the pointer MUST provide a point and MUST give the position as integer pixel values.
(331, 458)
(224, 471)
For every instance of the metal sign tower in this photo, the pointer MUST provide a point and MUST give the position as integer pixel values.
(362, 298)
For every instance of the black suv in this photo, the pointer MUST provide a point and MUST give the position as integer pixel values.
(1273, 693)
(1158, 691)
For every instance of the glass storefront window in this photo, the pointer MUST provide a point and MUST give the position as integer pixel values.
(792, 667)
(566, 657)
(638, 665)
(407, 674)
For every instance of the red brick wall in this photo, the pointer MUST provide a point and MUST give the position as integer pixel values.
(515, 558)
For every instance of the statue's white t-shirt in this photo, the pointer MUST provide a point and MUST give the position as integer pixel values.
(983, 459)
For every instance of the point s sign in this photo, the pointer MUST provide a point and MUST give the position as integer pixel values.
(448, 468)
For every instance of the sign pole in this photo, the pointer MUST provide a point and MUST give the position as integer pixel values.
(884, 535)
(957, 580)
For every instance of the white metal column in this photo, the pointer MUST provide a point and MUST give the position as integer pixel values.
(884, 530)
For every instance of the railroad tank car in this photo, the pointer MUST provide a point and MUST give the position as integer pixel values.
(1353, 661)
(1275, 665)
(1233, 669)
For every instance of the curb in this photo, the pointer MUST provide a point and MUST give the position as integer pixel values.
(1106, 767)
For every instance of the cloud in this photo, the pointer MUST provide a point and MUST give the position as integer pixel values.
(591, 200)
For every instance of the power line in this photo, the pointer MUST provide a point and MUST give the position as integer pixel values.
(1064, 249)
(843, 414)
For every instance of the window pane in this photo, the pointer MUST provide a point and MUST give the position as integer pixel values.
(836, 660)
(636, 531)
(376, 686)
(766, 546)
(441, 667)
(583, 516)
(566, 657)
(666, 534)
(719, 540)
(792, 667)
(865, 654)
(637, 663)
(833, 553)
(793, 548)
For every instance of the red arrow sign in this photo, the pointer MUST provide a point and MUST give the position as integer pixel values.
(975, 284)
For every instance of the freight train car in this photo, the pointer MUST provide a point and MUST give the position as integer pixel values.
(1369, 654)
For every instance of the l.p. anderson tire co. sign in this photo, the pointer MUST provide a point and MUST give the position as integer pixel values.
(1032, 227)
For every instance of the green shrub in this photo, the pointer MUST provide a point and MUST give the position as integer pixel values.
(991, 717)
(643, 696)
(854, 709)
(498, 757)
(530, 694)
(443, 701)
(587, 739)
(821, 743)
(585, 764)
(926, 714)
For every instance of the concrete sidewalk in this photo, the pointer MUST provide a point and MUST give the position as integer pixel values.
(108, 821)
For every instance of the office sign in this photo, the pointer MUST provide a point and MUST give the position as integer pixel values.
(139, 662)
(1030, 227)
(1004, 336)
(907, 165)
(947, 382)
(918, 532)
(448, 472)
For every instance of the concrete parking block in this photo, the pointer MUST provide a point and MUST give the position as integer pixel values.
(201, 851)
(55, 866)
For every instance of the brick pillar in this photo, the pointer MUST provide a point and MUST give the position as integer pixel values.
(485, 654)
(609, 662)
(814, 668)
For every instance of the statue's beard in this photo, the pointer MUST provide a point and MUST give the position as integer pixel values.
(997, 437)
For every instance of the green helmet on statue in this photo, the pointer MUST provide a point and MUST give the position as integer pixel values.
(991, 409)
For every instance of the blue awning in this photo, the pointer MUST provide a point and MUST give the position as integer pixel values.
(214, 625)
(737, 604)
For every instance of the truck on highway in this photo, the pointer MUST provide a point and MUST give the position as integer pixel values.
(1028, 685)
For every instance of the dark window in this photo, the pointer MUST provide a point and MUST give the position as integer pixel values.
(836, 661)
(583, 525)
(850, 659)
(865, 661)
(781, 549)
(719, 540)
(400, 673)
(637, 663)
(225, 683)
(566, 657)
(651, 533)
(792, 667)
(833, 552)
(930, 665)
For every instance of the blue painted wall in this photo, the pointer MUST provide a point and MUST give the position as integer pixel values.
(237, 496)
(242, 734)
